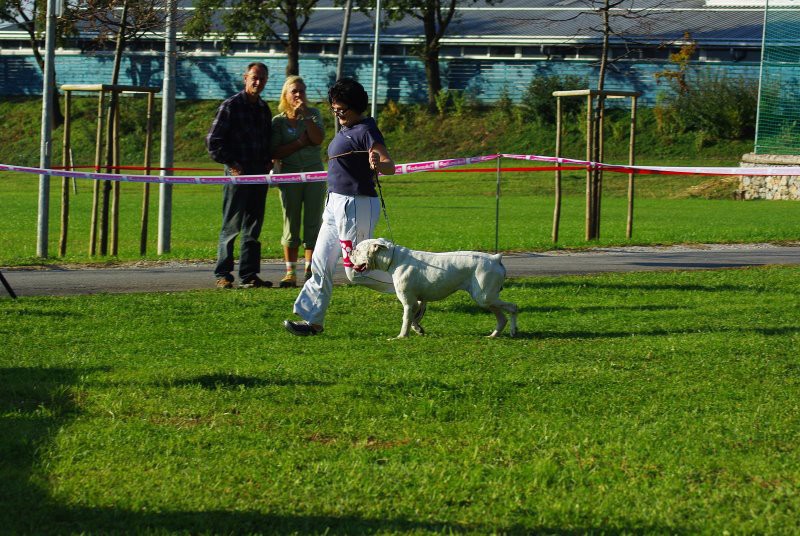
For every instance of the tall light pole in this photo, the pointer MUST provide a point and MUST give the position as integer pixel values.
(167, 131)
(45, 149)
(348, 9)
(375, 54)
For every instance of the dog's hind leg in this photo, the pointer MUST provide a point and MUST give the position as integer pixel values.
(512, 309)
(419, 313)
(513, 329)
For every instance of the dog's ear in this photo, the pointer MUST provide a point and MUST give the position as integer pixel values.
(384, 243)
(375, 247)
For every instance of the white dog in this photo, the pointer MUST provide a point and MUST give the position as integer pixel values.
(420, 277)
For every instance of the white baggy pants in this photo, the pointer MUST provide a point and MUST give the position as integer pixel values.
(347, 220)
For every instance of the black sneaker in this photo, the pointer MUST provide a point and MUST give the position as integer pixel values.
(301, 329)
(255, 282)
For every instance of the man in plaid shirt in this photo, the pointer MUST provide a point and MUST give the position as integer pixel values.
(240, 139)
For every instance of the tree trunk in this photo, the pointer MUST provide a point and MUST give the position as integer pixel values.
(111, 143)
(293, 43)
(58, 117)
(431, 58)
(292, 54)
(597, 135)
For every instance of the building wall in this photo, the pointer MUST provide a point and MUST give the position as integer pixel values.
(401, 79)
(769, 186)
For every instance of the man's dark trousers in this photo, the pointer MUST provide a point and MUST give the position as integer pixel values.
(242, 212)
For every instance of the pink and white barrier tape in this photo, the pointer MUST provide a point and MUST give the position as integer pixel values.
(282, 178)
(401, 169)
(663, 170)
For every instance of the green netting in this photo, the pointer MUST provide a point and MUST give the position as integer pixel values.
(778, 126)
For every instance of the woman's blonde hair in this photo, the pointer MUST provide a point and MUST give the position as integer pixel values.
(284, 105)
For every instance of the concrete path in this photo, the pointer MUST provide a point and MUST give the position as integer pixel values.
(173, 277)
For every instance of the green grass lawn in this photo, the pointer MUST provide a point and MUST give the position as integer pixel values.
(431, 211)
(630, 403)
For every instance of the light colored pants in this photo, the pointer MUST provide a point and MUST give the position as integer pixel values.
(346, 221)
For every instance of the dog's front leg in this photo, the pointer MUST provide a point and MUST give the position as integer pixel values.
(501, 321)
(408, 315)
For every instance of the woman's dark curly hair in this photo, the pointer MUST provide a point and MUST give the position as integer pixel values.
(348, 91)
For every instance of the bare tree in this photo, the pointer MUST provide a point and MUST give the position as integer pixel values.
(626, 22)
(120, 21)
(124, 22)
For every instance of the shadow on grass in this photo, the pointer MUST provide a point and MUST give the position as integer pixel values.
(567, 335)
(35, 403)
(474, 309)
(32, 311)
(226, 522)
(589, 284)
(234, 381)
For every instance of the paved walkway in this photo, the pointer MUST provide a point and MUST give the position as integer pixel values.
(171, 277)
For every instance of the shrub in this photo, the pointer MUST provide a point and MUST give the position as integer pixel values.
(390, 116)
(719, 107)
(538, 102)
(441, 99)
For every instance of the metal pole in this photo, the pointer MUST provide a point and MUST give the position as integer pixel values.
(47, 130)
(167, 132)
(761, 73)
(375, 53)
(348, 9)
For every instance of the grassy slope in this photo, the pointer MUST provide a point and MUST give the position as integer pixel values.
(411, 134)
(458, 208)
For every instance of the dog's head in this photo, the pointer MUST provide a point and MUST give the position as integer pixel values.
(364, 256)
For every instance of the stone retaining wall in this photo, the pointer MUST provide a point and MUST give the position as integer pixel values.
(769, 186)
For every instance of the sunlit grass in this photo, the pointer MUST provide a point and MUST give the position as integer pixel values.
(430, 211)
(638, 403)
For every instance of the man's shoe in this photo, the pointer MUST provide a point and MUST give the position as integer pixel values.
(288, 281)
(255, 282)
(224, 282)
(301, 329)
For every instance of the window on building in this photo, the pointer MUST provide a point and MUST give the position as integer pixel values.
(503, 52)
(450, 51)
(393, 50)
(312, 48)
(475, 51)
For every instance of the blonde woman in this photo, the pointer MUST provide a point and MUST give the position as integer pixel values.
(297, 133)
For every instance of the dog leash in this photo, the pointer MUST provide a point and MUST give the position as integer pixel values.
(348, 153)
(383, 205)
